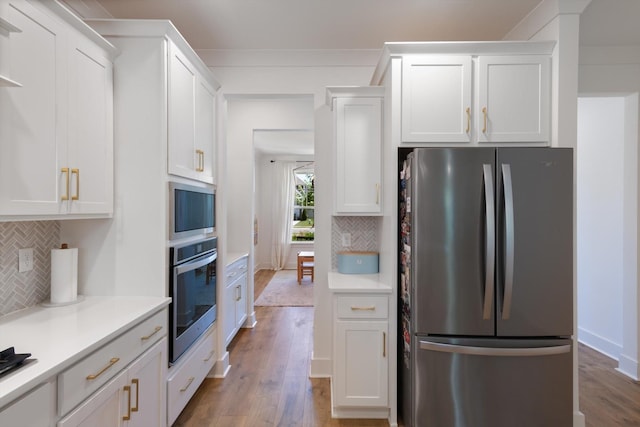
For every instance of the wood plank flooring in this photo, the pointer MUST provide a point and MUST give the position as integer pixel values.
(269, 384)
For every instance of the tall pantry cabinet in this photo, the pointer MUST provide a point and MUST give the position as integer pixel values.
(164, 124)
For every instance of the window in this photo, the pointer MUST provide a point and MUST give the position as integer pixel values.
(303, 206)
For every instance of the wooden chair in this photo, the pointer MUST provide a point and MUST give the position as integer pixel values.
(305, 265)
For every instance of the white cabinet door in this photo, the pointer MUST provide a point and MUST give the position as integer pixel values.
(105, 408)
(147, 393)
(228, 311)
(205, 138)
(32, 125)
(360, 375)
(182, 113)
(513, 101)
(241, 300)
(36, 409)
(90, 128)
(358, 149)
(436, 98)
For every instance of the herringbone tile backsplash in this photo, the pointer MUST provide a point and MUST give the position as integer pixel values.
(21, 290)
(364, 235)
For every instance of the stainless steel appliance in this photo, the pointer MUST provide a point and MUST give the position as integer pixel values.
(191, 210)
(192, 288)
(486, 287)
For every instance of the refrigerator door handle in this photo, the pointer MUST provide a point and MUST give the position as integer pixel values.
(509, 247)
(491, 351)
(490, 242)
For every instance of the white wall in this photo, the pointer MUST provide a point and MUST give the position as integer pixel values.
(600, 186)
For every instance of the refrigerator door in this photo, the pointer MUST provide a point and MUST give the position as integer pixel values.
(492, 383)
(452, 239)
(535, 242)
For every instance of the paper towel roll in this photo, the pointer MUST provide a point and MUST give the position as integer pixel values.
(64, 275)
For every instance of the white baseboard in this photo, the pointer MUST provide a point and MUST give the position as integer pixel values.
(320, 367)
(628, 367)
(599, 343)
(251, 321)
(578, 419)
(222, 366)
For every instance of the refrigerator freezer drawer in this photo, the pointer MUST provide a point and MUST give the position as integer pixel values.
(492, 383)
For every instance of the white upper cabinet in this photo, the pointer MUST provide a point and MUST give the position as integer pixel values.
(191, 120)
(357, 150)
(436, 98)
(476, 98)
(513, 98)
(56, 130)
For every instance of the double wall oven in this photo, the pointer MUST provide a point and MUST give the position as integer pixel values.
(192, 269)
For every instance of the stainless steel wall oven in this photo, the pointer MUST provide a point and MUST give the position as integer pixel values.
(192, 288)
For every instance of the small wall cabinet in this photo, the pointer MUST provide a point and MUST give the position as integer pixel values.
(191, 119)
(477, 99)
(56, 130)
(357, 121)
(235, 298)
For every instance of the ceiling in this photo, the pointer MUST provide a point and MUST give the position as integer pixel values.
(363, 24)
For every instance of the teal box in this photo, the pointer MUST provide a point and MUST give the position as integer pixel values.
(354, 262)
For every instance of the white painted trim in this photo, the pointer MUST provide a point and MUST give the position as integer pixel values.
(599, 343)
(578, 419)
(251, 321)
(320, 367)
(289, 57)
(629, 367)
(352, 91)
(222, 366)
(542, 16)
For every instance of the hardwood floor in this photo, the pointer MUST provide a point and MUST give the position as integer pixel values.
(607, 398)
(269, 384)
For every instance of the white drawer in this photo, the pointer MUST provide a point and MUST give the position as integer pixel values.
(185, 377)
(362, 306)
(235, 269)
(35, 409)
(82, 379)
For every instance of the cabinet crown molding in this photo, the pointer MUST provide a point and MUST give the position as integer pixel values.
(333, 92)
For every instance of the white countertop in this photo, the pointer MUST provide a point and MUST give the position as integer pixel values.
(234, 256)
(358, 283)
(58, 337)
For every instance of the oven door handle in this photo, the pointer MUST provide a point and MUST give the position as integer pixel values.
(192, 265)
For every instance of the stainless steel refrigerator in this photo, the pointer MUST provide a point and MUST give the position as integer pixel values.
(486, 287)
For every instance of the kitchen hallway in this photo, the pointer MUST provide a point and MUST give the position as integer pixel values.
(269, 384)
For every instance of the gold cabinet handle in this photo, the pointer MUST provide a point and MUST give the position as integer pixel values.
(384, 344)
(155, 331)
(66, 172)
(128, 416)
(468, 120)
(370, 308)
(188, 384)
(200, 167)
(112, 362)
(484, 113)
(77, 172)
(136, 381)
(210, 356)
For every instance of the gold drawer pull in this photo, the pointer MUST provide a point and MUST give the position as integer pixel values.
(188, 384)
(210, 356)
(370, 308)
(155, 331)
(112, 362)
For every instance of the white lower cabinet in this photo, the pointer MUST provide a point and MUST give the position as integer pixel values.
(360, 381)
(134, 397)
(188, 373)
(22, 413)
(235, 298)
